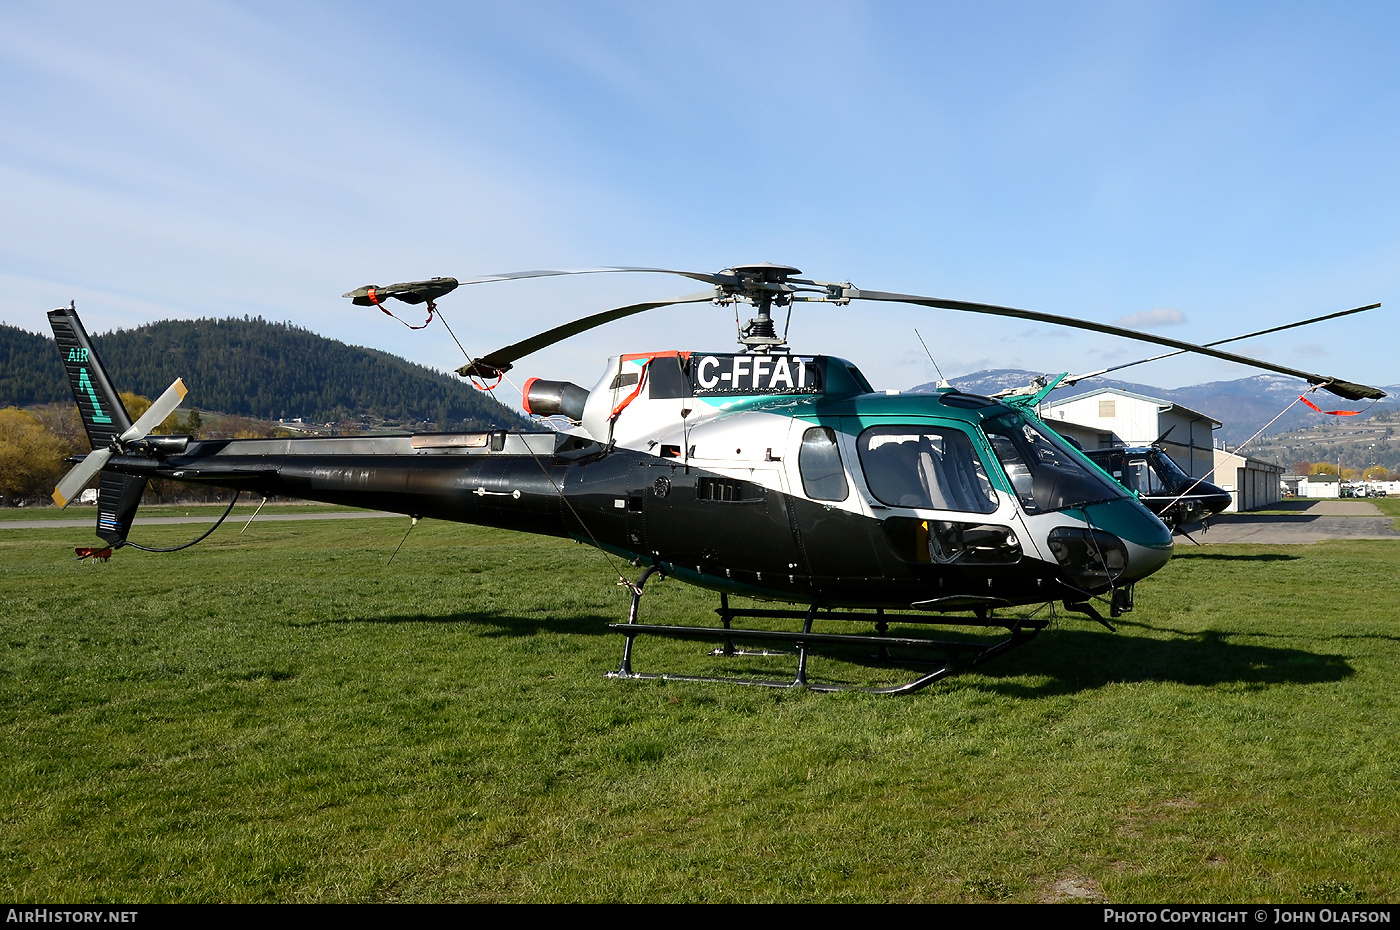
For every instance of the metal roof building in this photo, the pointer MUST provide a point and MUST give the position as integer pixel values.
(1138, 420)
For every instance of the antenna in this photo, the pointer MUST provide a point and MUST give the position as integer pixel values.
(942, 381)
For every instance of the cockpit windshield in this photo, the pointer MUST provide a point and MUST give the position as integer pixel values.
(1045, 472)
(1172, 475)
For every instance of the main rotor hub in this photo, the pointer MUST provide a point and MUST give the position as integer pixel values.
(763, 285)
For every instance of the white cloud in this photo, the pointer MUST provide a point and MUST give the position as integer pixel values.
(1151, 319)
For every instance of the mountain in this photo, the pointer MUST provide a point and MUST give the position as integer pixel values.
(256, 369)
(1243, 406)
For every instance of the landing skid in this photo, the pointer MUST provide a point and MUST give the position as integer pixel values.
(948, 656)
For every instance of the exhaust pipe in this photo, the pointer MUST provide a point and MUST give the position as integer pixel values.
(551, 398)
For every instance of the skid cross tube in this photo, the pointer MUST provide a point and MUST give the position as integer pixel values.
(957, 655)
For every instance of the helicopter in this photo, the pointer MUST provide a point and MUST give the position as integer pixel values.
(1175, 497)
(764, 474)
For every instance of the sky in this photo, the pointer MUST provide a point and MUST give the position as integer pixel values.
(1203, 170)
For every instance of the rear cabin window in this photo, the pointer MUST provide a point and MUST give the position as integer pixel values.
(928, 468)
(819, 461)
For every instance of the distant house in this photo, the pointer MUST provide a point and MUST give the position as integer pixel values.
(1088, 437)
(1253, 483)
(1320, 486)
(1118, 417)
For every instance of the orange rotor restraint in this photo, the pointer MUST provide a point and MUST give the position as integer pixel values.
(432, 308)
(1334, 413)
(479, 385)
(641, 380)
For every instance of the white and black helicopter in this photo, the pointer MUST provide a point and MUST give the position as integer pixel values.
(763, 473)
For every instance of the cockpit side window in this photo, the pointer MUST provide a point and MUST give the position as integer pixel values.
(819, 461)
(1146, 478)
(932, 468)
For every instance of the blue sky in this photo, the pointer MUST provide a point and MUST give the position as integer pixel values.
(1231, 163)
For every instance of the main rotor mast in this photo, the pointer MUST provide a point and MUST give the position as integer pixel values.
(766, 285)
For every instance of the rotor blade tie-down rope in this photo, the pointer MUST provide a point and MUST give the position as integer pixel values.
(1111, 580)
(413, 521)
(548, 477)
(470, 361)
(374, 299)
(1195, 484)
(612, 566)
(252, 518)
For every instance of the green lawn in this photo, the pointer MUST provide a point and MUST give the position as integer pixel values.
(1390, 506)
(282, 716)
(245, 507)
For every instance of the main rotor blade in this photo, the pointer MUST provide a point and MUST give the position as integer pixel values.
(1341, 388)
(1075, 379)
(500, 361)
(417, 292)
(707, 278)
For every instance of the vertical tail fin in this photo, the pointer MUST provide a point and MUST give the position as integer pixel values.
(118, 496)
(108, 424)
(104, 417)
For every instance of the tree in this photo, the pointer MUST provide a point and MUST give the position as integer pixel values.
(64, 421)
(1323, 468)
(30, 456)
(135, 404)
(1376, 473)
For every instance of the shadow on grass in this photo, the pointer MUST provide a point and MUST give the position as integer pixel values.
(1256, 634)
(587, 625)
(1221, 556)
(1084, 660)
(1072, 661)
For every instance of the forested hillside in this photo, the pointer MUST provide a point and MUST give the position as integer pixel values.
(253, 368)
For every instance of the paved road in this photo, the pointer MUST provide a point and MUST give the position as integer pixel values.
(156, 521)
(1304, 522)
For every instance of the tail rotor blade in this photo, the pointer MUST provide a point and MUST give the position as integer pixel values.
(155, 414)
(72, 484)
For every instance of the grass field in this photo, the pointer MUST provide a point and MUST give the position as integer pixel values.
(244, 508)
(282, 716)
(1390, 506)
